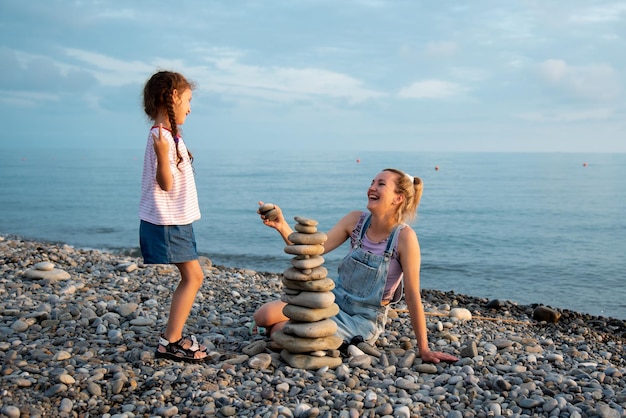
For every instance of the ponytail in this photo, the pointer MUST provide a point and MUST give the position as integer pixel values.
(411, 188)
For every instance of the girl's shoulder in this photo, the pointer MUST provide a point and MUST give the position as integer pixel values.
(167, 133)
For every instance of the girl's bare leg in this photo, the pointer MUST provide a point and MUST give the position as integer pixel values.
(191, 277)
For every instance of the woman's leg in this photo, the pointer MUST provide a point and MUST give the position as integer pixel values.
(270, 316)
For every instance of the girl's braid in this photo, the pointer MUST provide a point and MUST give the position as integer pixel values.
(169, 107)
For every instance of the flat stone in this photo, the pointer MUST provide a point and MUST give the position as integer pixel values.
(363, 361)
(302, 262)
(127, 309)
(305, 221)
(302, 314)
(127, 267)
(470, 350)
(317, 300)
(260, 361)
(322, 285)
(317, 329)
(307, 362)
(461, 314)
(295, 344)
(266, 207)
(317, 273)
(54, 274)
(268, 210)
(305, 229)
(255, 348)
(369, 349)
(425, 368)
(44, 266)
(543, 313)
(19, 326)
(307, 239)
(315, 249)
(142, 321)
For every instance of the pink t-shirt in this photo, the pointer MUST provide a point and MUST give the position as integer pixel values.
(178, 206)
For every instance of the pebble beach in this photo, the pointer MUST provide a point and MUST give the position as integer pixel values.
(78, 330)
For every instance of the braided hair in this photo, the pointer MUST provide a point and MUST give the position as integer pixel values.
(158, 97)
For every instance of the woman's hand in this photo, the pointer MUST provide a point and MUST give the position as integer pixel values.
(272, 216)
(437, 356)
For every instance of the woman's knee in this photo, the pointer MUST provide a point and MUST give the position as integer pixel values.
(270, 313)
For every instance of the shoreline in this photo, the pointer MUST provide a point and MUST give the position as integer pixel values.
(135, 253)
(84, 344)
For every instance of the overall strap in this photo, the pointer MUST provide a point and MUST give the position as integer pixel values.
(391, 247)
(392, 242)
(363, 224)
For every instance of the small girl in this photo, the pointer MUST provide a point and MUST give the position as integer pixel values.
(169, 206)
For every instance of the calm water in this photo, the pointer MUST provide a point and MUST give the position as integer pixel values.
(533, 228)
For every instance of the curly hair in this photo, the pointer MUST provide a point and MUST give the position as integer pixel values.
(158, 97)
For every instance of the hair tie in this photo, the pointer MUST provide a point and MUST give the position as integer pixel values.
(411, 178)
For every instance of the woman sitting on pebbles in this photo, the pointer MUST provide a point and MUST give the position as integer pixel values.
(392, 199)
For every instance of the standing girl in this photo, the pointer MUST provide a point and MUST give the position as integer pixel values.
(169, 206)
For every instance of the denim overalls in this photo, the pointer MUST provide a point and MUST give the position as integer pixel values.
(360, 286)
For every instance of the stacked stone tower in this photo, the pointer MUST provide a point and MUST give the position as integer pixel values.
(308, 338)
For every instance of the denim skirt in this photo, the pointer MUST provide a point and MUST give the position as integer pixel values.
(167, 244)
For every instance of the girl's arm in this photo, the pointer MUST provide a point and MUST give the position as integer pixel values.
(164, 172)
(410, 259)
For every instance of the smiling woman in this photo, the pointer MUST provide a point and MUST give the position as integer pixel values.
(384, 258)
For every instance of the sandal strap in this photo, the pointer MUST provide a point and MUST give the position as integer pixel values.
(195, 345)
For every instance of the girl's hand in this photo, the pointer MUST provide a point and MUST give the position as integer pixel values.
(437, 356)
(161, 146)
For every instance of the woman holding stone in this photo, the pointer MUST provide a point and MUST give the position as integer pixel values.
(384, 254)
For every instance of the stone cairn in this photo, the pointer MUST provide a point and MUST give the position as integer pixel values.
(308, 339)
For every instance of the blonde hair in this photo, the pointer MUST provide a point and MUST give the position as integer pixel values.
(411, 188)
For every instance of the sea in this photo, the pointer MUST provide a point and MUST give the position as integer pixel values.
(544, 228)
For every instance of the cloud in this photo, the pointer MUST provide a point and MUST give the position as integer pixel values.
(571, 116)
(26, 98)
(469, 73)
(30, 72)
(111, 71)
(602, 14)
(441, 49)
(225, 73)
(595, 82)
(431, 89)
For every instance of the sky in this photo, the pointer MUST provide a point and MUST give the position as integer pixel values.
(398, 75)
